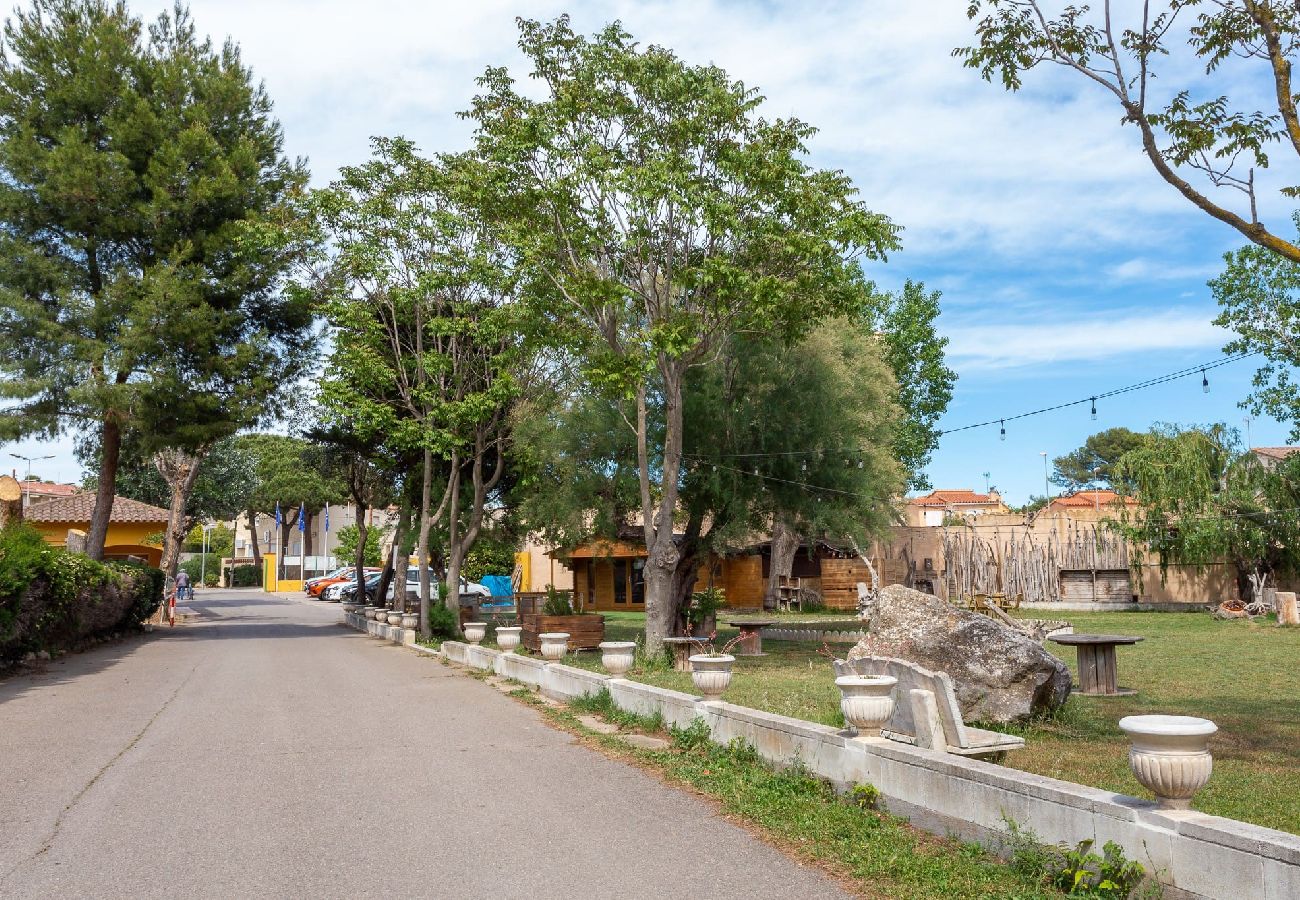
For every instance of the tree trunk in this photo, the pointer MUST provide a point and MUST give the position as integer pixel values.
(306, 538)
(453, 537)
(362, 532)
(422, 547)
(663, 556)
(252, 534)
(110, 451)
(180, 470)
(387, 577)
(784, 545)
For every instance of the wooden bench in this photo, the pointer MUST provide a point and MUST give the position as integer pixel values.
(926, 713)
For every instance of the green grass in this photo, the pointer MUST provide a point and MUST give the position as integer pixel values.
(1241, 675)
(880, 855)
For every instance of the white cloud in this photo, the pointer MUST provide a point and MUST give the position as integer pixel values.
(1142, 268)
(1094, 338)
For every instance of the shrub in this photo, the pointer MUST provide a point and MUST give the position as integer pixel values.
(195, 565)
(488, 557)
(704, 607)
(245, 576)
(442, 621)
(51, 599)
(556, 604)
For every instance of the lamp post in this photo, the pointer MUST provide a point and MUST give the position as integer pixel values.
(29, 460)
(1047, 491)
(203, 555)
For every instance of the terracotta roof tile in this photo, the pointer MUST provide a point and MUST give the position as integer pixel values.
(1096, 498)
(954, 497)
(78, 507)
(1275, 452)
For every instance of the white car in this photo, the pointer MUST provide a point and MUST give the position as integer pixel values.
(471, 588)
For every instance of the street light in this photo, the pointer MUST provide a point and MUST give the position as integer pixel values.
(203, 555)
(30, 460)
(1047, 491)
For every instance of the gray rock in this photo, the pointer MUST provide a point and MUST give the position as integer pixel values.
(999, 674)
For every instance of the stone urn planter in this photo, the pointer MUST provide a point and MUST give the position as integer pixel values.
(1170, 756)
(711, 673)
(475, 632)
(508, 638)
(554, 644)
(378, 614)
(395, 617)
(867, 701)
(617, 656)
(410, 620)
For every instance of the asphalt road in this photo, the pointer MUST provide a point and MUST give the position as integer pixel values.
(268, 752)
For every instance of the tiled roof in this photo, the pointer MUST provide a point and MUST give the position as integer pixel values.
(49, 489)
(1092, 499)
(1275, 452)
(78, 507)
(954, 498)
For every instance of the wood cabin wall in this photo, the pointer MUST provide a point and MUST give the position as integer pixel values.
(742, 581)
(839, 581)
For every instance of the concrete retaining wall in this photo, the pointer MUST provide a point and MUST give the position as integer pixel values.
(829, 636)
(1193, 854)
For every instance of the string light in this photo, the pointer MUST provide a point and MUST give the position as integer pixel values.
(1002, 430)
(1094, 409)
(1205, 383)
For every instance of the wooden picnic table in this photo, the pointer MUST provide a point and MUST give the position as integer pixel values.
(1098, 676)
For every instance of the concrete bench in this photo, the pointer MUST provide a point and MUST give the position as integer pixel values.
(926, 713)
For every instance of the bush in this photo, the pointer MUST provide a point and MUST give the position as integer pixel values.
(245, 576)
(488, 557)
(442, 621)
(556, 604)
(51, 599)
(196, 565)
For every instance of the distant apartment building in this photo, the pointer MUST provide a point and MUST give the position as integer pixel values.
(933, 508)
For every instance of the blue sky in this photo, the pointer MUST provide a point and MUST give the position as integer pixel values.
(1067, 267)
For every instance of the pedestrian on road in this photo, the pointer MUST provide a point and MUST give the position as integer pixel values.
(183, 589)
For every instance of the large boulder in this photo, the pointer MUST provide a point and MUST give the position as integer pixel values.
(999, 674)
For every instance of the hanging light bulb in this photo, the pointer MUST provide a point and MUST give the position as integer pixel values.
(1094, 409)
(1002, 431)
(1205, 383)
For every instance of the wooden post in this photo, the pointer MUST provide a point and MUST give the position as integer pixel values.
(1288, 612)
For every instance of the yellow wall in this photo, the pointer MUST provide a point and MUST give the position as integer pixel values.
(123, 537)
(269, 581)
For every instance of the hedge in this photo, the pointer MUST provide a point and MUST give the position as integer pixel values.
(245, 576)
(51, 599)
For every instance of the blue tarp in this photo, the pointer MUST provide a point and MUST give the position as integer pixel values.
(499, 585)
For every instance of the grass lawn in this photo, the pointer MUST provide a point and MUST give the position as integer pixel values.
(1239, 674)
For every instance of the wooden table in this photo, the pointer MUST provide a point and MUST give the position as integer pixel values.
(682, 648)
(1097, 672)
(751, 635)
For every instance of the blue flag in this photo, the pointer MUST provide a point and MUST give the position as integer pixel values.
(302, 518)
(278, 522)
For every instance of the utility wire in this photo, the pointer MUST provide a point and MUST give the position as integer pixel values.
(1002, 420)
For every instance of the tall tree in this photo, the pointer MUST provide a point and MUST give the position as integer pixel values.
(1205, 500)
(659, 215)
(292, 473)
(426, 345)
(1194, 135)
(1095, 462)
(149, 218)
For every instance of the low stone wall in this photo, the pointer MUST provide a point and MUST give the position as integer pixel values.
(828, 636)
(1193, 854)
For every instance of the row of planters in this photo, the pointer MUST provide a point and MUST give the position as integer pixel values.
(1169, 755)
(52, 600)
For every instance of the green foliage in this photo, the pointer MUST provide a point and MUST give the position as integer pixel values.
(346, 552)
(51, 599)
(1077, 871)
(695, 736)
(489, 557)
(221, 540)
(704, 606)
(196, 564)
(150, 219)
(865, 796)
(1259, 298)
(556, 603)
(245, 576)
(1095, 462)
(603, 705)
(443, 622)
(1206, 499)
(291, 472)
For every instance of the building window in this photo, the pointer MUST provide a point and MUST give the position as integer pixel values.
(638, 581)
(620, 581)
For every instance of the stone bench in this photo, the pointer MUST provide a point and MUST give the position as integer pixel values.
(926, 713)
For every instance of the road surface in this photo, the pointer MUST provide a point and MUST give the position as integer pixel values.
(267, 752)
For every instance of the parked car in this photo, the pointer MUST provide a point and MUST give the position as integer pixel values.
(316, 586)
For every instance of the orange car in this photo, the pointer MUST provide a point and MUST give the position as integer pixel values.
(314, 586)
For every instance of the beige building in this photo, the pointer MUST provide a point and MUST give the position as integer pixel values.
(937, 506)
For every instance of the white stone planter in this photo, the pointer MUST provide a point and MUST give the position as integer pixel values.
(475, 632)
(554, 644)
(711, 674)
(377, 614)
(394, 618)
(1170, 756)
(867, 701)
(617, 656)
(508, 638)
(410, 620)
